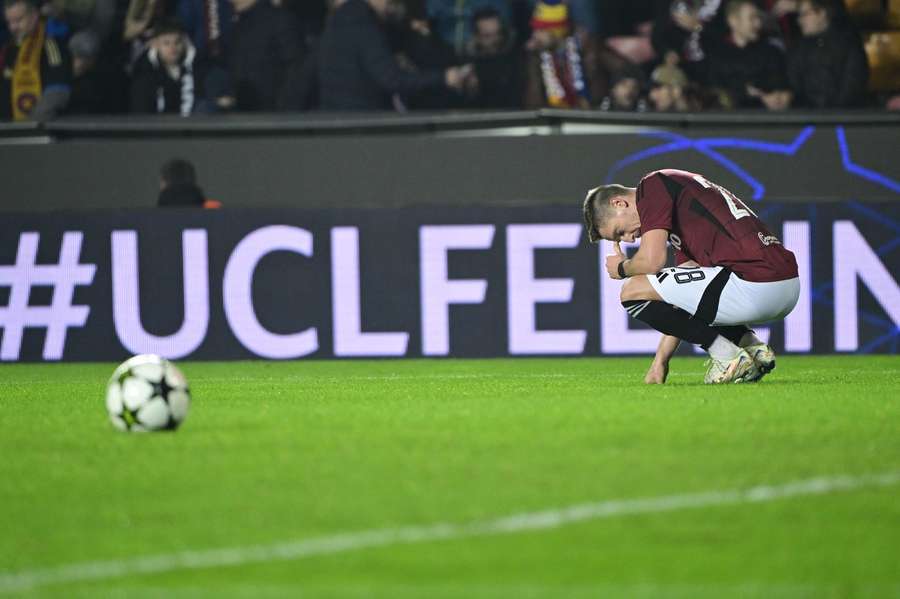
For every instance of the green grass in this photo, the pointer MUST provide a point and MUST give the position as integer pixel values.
(276, 452)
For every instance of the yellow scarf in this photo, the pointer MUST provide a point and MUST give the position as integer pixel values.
(26, 82)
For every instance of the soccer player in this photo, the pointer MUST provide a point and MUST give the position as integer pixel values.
(731, 271)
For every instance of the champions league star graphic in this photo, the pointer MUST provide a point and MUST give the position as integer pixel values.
(819, 160)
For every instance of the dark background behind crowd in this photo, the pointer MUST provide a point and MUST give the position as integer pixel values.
(83, 57)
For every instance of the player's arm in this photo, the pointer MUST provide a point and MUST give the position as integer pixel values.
(659, 368)
(668, 344)
(650, 258)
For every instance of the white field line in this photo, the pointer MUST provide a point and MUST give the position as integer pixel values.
(352, 541)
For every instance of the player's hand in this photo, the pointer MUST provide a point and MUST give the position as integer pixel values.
(613, 260)
(657, 373)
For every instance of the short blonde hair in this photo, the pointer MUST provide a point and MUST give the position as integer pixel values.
(597, 209)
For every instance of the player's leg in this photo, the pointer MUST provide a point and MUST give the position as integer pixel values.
(735, 334)
(744, 337)
(639, 288)
(745, 301)
(646, 301)
(762, 353)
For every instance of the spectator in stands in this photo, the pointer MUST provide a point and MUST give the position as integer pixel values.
(668, 98)
(417, 48)
(356, 70)
(178, 187)
(208, 25)
(783, 14)
(98, 86)
(749, 71)
(671, 91)
(827, 68)
(490, 36)
(37, 70)
(557, 75)
(265, 51)
(301, 92)
(625, 94)
(499, 69)
(452, 19)
(87, 91)
(168, 78)
(682, 31)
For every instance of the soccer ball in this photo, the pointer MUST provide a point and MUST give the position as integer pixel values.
(147, 393)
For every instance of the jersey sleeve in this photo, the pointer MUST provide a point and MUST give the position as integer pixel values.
(56, 72)
(654, 204)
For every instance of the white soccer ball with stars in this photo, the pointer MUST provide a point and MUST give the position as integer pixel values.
(147, 393)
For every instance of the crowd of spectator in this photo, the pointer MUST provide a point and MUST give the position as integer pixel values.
(182, 57)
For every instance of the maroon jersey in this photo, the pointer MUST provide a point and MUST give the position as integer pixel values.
(711, 226)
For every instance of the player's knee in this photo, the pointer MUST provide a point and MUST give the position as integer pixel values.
(628, 291)
(635, 288)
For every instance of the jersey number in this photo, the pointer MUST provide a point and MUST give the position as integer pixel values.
(738, 208)
(689, 276)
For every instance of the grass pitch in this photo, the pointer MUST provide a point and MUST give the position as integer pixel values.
(277, 453)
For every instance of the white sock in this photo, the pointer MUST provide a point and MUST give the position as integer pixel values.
(749, 339)
(723, 350)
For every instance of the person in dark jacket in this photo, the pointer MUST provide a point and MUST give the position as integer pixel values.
(499, 65)
(168, 78)
(418, 48)
(208, 23)
(749, 71)
(356, 70)
(682, 31)
(99, 83)
(265, 52)
(827, 68)
(178, 187)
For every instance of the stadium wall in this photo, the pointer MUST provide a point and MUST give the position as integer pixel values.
(410, 282)
(513, 160)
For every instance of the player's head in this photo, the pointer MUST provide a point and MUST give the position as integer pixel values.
(610, 213)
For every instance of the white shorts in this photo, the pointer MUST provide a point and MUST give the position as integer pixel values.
(719, 297)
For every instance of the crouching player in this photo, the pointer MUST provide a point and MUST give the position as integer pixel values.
(731, 271)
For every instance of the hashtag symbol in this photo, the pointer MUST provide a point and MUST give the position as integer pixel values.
(62, 277)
